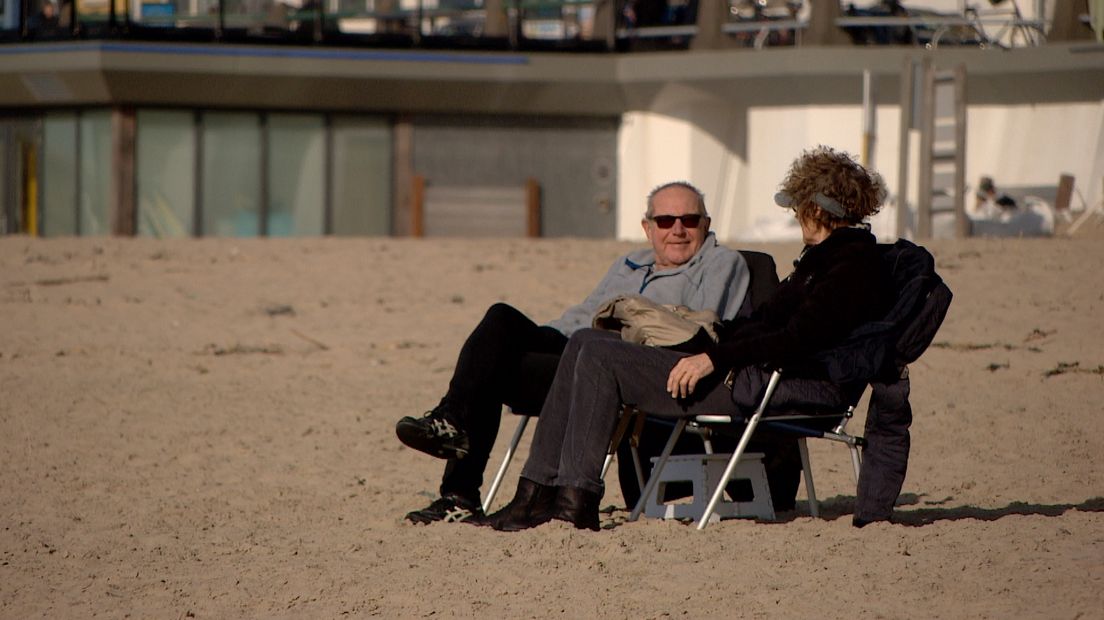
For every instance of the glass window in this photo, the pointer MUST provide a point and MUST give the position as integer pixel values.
(95, 172)
(256, 16)
(9, 13)
(59, 174)
(296, 164)
(177, 13)
(231, 174)
(362, 176)
(165, 170)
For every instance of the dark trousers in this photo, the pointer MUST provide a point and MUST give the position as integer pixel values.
(885, 457)
(597, 373)
(508, 359)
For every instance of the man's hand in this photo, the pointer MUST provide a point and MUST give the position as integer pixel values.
(686, 374)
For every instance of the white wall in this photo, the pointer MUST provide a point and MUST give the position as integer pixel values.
(655, 149)
(738, 155)
(1028, 8)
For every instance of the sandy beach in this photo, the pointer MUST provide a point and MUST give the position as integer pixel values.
(205, 428)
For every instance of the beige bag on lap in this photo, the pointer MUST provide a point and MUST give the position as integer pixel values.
(643, 321)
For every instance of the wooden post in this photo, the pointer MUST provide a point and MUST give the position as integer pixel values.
(1064, 196)
(123, 205)
(533, 207)
(402, 171)
(417, 207)
(31, 202)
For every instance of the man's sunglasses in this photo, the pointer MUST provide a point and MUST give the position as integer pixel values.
(690, 220)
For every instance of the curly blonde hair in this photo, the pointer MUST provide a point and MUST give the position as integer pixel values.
(837, 176)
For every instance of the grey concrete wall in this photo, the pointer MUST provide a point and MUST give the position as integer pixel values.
(573, 159)
(97, 73)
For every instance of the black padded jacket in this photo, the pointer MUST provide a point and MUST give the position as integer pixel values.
(836, 285)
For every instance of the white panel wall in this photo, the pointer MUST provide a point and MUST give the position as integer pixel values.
(1033, 145)
(1015, 145)
(656, 149)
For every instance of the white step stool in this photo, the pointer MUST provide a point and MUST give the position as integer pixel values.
(703, 471)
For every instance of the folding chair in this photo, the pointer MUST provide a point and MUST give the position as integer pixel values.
(519, 432)
(646, 440)
(763, 280)
(877, 351)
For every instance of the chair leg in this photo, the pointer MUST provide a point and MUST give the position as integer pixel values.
(856, 460)
(730, 468)
(840, 434)
(505, 462)
(634, 449)
(606, 464)
(637, 467)
(628, 414)
(660, 464)
(741, 447)
(807, 472)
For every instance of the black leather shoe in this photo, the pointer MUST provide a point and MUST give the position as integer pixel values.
(578, 507)
(532, 506)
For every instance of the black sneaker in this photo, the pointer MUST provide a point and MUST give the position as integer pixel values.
(433, 434)
(449, 509)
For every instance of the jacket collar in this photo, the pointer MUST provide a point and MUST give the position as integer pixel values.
(838, 238)
(645, 259)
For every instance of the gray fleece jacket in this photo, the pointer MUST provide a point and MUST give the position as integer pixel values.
(716, 278)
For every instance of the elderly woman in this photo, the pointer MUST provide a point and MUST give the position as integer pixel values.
(837, 284)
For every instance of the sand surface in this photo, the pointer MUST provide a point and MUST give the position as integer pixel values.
(204, 428)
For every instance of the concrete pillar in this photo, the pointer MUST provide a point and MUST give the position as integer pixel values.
(1067, 24)
(605, 21)
(822, 25)
(495, 24)
(712, 15)
(387, 23)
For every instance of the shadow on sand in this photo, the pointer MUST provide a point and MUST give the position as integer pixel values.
(913, 510)
(843, 506)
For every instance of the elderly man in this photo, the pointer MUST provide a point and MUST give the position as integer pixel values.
(509, 359)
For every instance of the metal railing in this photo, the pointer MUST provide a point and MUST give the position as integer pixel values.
(569, 23)
(931, 30)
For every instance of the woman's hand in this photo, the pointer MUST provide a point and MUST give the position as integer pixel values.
(686, 374)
